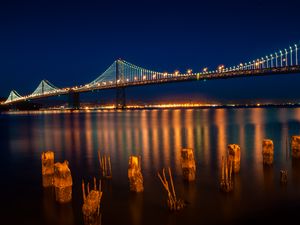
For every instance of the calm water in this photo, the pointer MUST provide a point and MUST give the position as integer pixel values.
(158, 136)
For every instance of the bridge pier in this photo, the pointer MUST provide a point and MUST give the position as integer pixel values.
(74, 100)
(120, 98)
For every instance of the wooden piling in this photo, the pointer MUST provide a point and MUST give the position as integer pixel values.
(188, 164)
(283, 176)
(268, 152)
(295, 143)
(105, 166)
(226, 182)
(91, 204)
(234, 155)
(62, 182)
(135, 174)
(47, 159)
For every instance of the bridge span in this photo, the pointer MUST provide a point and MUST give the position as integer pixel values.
(122, 74)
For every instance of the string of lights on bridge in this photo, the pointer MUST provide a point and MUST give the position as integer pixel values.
(123, 73)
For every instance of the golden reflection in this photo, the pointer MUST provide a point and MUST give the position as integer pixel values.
(206, 142)
(48, 135)
(89, 138)
(68, 134)
(283, 118)
(220, 121)
(166, 137)
(105, 135)
(177, 137)
(111, 149)
(189, 124)
(57, 136)
(258, 118)
(296, 114)
(145, 139)
(76, 134)
(240, 119)
(136, 139)
(155, 139)
(128, 135)
(100, 136)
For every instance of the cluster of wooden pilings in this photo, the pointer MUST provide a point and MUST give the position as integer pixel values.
(91, 203)
(105, 166)
(173, 202)
(57, 175)
(135, 174)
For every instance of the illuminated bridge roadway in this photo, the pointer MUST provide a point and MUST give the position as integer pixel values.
(122, 74)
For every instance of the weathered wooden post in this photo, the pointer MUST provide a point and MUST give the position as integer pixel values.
(234, 155)
(283, 176)
(268, 151)
(62, 182)
(188, 164)
(295, 146)
(174, 204)
(105, 166)
(135, 174)
(47, 168)
(91, 204)
(226, 182)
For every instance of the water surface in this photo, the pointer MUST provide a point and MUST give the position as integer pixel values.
(158, 136)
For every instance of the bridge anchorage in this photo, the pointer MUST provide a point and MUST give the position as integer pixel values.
(122, 74)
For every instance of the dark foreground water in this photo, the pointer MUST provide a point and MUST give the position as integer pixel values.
(158, 136)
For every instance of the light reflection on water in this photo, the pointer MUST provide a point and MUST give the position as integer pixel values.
(158, 136)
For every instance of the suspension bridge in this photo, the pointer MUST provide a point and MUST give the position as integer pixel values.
(121, 74)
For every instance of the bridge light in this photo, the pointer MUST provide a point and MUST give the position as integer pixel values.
(220, 67)
(205, 69)
(189, 71)
(296, 54)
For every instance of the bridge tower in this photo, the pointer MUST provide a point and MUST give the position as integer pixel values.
(43, 86)
(120, 89)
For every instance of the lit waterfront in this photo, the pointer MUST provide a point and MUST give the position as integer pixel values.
(158, 136)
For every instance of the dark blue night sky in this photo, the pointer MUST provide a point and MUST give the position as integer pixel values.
(72, 42)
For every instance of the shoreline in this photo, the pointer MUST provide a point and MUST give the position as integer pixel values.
(158, 107)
